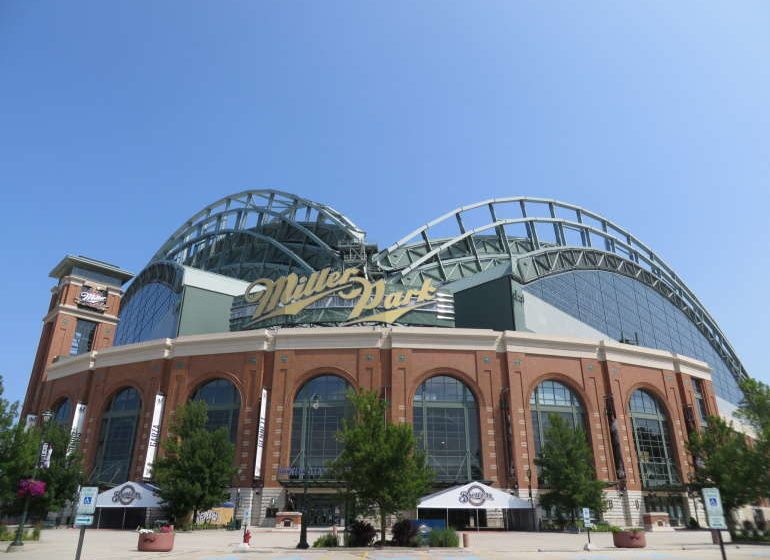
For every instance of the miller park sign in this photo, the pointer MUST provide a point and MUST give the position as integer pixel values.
(366, 300)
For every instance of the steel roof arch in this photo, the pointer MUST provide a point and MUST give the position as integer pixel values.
(618, 242)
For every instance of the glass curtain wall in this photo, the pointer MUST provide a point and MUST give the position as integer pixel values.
(446, 426)
(653, 441)
(223, 405)
(116, 437)
(319, 408)
(552, 397)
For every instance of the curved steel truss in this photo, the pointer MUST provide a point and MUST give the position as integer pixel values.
(538, 237)
(265, 232)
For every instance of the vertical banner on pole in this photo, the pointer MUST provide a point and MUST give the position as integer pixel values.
(260, 435)
(154, 437)
(30, 421)
(78, 420)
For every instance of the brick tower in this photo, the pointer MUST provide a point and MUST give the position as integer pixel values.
(81, 317)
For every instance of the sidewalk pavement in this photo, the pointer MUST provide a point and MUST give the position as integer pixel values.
(106, 544)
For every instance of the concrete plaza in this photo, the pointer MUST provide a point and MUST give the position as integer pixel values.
(103, 544)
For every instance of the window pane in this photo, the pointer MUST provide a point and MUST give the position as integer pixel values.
(447, 428)
(83, 340)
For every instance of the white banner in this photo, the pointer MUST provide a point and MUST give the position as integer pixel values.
(153, 440)
(46, 450)
(78, 419)
(30, 421)
(260, 435)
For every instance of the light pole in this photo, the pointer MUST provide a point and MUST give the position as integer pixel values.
(314, 404)
(47, 415)
(531, 501)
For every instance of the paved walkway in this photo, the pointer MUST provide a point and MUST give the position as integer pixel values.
(105, 544)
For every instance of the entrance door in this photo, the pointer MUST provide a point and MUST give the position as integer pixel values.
(671, 504)
(324, 510)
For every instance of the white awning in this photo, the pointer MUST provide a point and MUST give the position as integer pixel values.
(129, 494)
(473, 495)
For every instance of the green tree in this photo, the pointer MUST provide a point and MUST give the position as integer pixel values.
(755, 406)
(725, 459)
(18, 451)
(567, 471)
(196, 466)
(380, 464)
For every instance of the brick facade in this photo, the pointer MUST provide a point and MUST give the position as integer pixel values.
(501, 369)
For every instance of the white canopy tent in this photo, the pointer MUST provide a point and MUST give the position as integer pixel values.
(129, 495)
(474, 496)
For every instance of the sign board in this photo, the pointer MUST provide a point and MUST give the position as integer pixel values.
(289, 295)
(587, 518)
(78, 419)
(81, 520)
(87, 500)
(154, 437)
(261, 435)
(44, 461)
(714, 512)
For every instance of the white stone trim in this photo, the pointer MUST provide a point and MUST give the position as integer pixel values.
(70, 365)
(635, 355)
(431, 338)
(442, 338)
(530, 343)
(132, 353)
(329, 337)
(200, 344)
(692, 367)
(73, 311)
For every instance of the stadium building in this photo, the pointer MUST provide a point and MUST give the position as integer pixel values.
(475, 327)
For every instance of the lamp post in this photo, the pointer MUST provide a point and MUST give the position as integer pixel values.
(47, 415)
(314, 404)
(531, 501)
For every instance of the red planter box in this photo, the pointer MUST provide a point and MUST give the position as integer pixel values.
(156, 542)
(629, 539)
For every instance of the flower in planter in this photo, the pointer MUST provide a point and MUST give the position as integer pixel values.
(31, 487)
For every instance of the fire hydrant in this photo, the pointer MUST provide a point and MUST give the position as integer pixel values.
(246, 537)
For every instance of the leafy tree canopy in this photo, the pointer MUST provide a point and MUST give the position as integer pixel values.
(197, 465)
(19, 448)
(567, 471)
(725, 459)
(380, 463)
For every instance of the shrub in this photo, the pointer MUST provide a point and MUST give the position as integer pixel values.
(748, 526)
(326, 541)
(361, 533)
(404, 532)
(693, 523)
(444, 538)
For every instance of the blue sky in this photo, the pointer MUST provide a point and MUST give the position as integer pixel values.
(119, 120)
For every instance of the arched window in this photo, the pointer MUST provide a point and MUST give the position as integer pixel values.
(62, 411)
(653, 441)
(223, 404)
(446, 425)
(116, 437)
(319, 408)
(551, 397)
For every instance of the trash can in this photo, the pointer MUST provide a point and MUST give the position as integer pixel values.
(466, 540)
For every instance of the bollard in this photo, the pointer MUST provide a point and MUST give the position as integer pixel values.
(466, 540)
